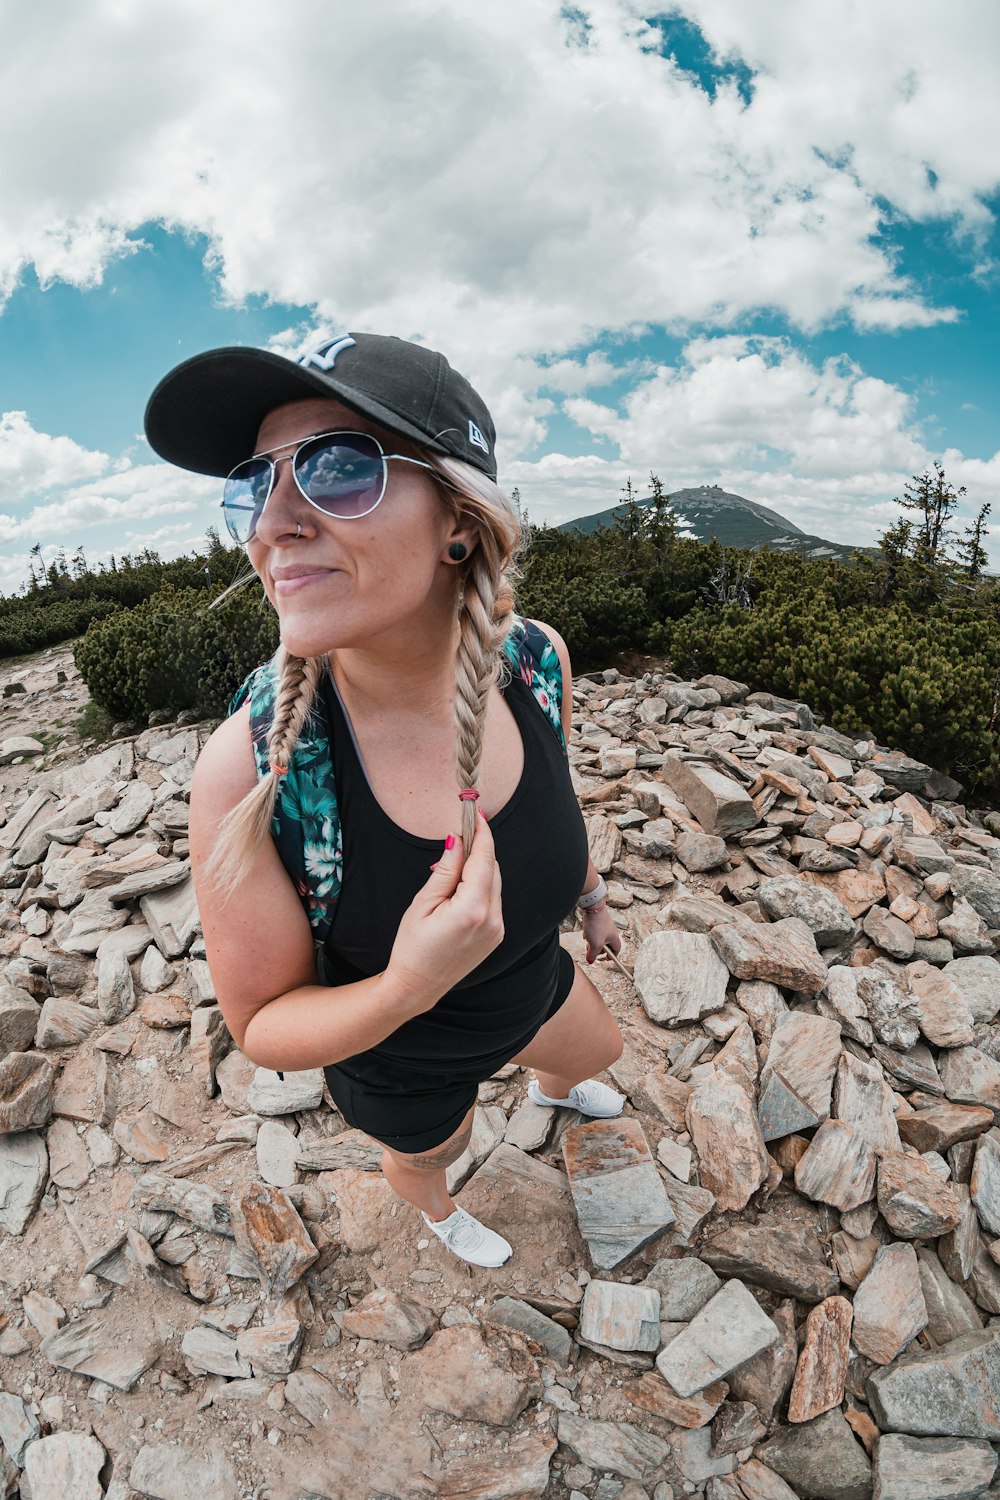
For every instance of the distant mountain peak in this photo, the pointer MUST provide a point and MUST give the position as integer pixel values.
(705, 511)
(709, 497)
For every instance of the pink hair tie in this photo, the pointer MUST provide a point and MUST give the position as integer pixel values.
(469, 795)
(278, 770)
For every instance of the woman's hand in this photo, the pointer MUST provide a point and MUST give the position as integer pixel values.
(600, 928)
(451, 925)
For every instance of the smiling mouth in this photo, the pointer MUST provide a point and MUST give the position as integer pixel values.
(302, 580)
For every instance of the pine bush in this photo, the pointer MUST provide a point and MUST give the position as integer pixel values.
(174, 652)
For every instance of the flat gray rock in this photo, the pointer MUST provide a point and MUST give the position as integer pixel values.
(913, 1468)
(839, 999)
(796, 1082)
(970, 1076)
(209, 1351)
(985, 1183)
(390, 1319)
(838, 1167)
(684, 1285)
(951, 1312)
(891, 1008)
(173, 918)
(18, 1426)
(154, 971)
(488, 1125)
(133, 809)
(89, 1347)
(530, 1126)
(718, 802)
(822, 1459)
(277, 1154)
(620, 1316)
(19, 1014)
(729, 1331)
(270, 1095)
(26, 1084)
(24, 1168)
(733, 1161)
(889, 1308)
(619, 1197)
(863, 1100)
(782, 1257)
(828, 919)
(977, 979)
(619, 1446)
(679, 977)
(175, 1471)
(783, 953)
(115, 989)
(65, 1464)
(950, 1392)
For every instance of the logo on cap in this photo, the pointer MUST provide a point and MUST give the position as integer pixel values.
(324, 356)
(477, 439)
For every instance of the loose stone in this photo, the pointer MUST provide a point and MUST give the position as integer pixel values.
(889, 1307)
(729, 1330)
(821, 1374)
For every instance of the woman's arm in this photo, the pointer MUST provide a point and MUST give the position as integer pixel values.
(599, 927)
(260, 947)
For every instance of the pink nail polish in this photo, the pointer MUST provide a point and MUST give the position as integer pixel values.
(449, 842)
(435, 864)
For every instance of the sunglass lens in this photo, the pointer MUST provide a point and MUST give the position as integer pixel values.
(243, 497)
(343, 475)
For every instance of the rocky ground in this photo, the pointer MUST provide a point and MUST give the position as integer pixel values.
(777, 1274)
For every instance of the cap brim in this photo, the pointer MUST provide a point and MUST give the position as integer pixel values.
(205, 414)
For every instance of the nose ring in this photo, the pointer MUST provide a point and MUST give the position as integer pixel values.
(298, 530)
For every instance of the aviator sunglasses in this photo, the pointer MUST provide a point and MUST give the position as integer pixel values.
(341, 474)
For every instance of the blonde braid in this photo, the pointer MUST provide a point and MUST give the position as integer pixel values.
(477, 668)
(247, 825)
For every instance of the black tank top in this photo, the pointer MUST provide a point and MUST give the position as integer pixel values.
(541, 848)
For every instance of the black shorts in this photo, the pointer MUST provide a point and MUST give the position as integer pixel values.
(416, 1106)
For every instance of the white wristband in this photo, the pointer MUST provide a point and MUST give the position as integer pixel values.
(594, 897)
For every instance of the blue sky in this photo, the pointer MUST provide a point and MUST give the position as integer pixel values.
(734, 241)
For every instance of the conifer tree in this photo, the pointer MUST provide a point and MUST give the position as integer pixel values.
(972, 555)
(934, 500)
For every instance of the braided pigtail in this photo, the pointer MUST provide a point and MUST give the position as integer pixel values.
(246, 826)
(486, 603)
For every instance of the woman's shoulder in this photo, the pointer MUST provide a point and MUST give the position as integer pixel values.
(543, 643)
(226, 769)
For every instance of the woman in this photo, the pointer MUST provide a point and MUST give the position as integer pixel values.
(362, 482)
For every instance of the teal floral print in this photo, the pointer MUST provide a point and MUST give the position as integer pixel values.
(306, 824)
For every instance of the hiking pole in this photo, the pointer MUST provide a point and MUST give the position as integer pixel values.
(617, 963)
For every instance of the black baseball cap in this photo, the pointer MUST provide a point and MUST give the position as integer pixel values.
(205, 414)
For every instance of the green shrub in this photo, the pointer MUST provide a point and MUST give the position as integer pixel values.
(925, 684)
(597, 616)
(174, 652)
(33, 629)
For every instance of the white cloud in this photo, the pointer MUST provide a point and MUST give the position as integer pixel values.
(827, 446)
(31, 461)
(52, 488)
(473, 174)
(512, 186)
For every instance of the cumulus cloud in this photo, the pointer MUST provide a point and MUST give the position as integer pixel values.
(502, 179)
(826, 445)
(33, 461)
(514, 184)
(53, 488)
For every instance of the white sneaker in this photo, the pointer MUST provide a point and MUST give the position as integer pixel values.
(469, 1239)
(589, 1097)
